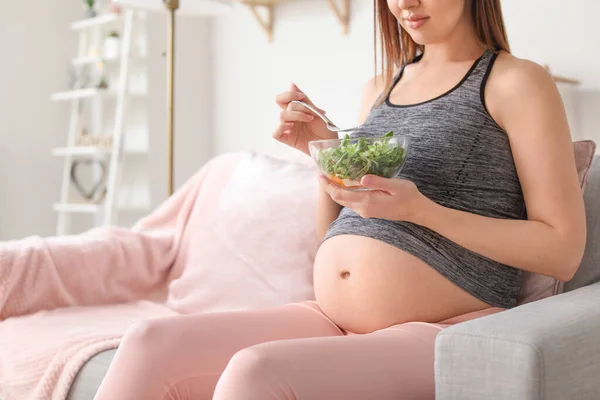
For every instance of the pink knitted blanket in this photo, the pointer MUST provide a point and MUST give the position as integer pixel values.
(64, 299)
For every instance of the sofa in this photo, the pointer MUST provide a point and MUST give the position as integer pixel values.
(546, 349)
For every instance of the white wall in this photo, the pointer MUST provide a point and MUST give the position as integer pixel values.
(36, 48)
(308, 48)
(193, 142)
(332, 68)
(565, 36)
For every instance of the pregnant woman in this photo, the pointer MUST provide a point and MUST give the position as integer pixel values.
(489, 189)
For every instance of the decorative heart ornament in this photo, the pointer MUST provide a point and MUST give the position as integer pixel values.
(79, 167)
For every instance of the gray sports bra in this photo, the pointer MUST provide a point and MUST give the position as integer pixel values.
(459, 158)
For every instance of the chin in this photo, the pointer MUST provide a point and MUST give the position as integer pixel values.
(422, 39)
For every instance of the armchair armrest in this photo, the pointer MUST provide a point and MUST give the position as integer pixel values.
(545, 350)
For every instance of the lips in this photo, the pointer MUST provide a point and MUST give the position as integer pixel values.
(415, 21)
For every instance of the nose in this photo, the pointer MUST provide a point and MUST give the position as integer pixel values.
(408, 4)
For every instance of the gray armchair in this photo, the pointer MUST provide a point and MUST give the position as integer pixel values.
(545, 350)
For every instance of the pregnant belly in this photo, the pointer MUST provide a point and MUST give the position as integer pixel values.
(363, 285)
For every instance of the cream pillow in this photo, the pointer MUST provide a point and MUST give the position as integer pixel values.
(258, 246)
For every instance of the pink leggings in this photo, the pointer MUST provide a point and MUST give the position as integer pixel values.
(284, 353)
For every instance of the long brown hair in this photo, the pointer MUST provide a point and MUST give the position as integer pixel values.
(398, 48)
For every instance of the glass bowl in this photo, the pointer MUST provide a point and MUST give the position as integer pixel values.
(345, 161)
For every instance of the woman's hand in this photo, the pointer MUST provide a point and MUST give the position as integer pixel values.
(298, 124)
(393, 199)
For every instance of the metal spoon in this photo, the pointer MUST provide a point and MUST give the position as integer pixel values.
(328, 123)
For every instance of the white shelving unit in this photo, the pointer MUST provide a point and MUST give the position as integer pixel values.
(85, 60)
(94, 22)
(86, 93)
(74, 94)
(76, 208)
(90, 151)
(110, 114)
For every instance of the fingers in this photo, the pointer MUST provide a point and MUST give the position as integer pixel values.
(283, 99)
(294, 93)
(348, 199)
(334, 192)
(282, 130)
(295, 116)
(300, 107)
(354, 200)
(379, 183)
(294, 87)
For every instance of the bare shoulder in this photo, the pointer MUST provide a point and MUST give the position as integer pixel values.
(515, 83)
(372, 89)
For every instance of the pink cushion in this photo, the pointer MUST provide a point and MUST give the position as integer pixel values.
(258, 246)
(535, 286)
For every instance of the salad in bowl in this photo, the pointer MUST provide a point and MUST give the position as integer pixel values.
(345, 161)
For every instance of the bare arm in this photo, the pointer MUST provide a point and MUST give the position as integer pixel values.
(327, 212)
(327, 209)
(524, 100)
